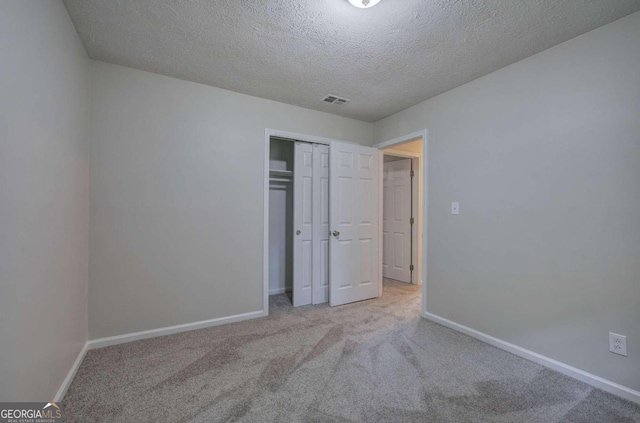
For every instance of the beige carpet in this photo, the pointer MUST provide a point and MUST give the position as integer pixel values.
(373, 361)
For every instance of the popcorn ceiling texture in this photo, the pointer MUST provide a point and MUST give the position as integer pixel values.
(384, 59)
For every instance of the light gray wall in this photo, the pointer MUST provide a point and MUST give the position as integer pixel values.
(44, 76)
(177, 197)
(544, 157)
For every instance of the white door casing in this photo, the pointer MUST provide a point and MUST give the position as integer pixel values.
(302, 224)
(396, 221)
(320, 224)
(354, 255)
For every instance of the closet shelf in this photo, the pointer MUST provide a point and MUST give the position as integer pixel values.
(287, 180)
(280, 173)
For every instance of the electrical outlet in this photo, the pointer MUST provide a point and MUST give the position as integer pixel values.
(618, 344)
(455, 208)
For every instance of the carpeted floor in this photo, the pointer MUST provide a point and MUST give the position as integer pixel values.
(373, 361)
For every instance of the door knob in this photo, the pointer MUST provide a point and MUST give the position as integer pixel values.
(298, 232)
(336, 233)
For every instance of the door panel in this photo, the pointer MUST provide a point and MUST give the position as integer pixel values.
(396, 227)
(320, 224)
(303, 224)
(354, 259)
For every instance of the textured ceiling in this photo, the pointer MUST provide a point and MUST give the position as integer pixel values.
(384, 59)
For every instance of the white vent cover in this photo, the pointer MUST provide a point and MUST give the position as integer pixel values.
(334, 99)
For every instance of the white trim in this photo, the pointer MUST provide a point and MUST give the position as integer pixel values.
(424, 134)
(581, 375)
(72, 373)
(170, 330)
(403, 139)
(265, 223)
(401, 153)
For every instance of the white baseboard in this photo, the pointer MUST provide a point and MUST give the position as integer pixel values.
(72, 372)
(581, 375)
(170, 330)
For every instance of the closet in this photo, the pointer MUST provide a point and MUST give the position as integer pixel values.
(281, 217)
(324, 227)
(299, 221)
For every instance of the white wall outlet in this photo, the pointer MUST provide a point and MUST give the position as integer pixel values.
(455, 208)
(618, 344)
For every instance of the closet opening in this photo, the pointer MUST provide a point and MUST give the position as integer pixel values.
(281, 221)
(298, 239)
(322, 220)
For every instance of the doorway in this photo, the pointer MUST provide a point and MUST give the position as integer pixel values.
(398, 218)
(403, 221)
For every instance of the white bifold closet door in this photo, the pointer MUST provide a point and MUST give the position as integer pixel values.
(302, 224)
(320, 224)
(396, 221)
(354, 215)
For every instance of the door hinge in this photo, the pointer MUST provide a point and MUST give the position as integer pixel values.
(413, 173)
(411, 268)
(412, 221)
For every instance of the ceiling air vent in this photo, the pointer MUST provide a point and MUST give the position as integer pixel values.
(334, 99)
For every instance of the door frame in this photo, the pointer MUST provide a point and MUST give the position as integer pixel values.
(416, 189)
(291, 136)
(424, 134)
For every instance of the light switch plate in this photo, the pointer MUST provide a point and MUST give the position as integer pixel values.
(618, 344)
(455, 208)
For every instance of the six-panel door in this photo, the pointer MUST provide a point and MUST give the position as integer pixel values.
(396, 221)
(302, 224)
(354, 259)
(320, 224)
